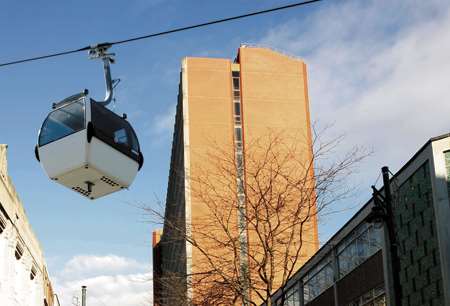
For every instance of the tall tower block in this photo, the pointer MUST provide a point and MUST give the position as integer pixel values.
(229, 105)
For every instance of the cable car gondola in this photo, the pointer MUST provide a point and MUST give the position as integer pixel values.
(87, 147)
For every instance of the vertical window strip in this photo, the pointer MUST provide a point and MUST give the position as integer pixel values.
(239, 160)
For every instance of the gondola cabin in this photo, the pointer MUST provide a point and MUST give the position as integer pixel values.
(88, 148)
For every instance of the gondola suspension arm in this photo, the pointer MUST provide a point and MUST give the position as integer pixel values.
(100, 51)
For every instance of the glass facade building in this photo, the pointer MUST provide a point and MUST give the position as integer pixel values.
(353, 251)
(354, 268)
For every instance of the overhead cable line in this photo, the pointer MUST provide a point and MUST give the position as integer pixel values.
(31, 59)
(175, 30)
(215, 22)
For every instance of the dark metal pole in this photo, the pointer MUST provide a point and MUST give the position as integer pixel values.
(392, 238)
(83, 295)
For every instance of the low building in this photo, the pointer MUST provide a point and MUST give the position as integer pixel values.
(353, 268)
(24, 279)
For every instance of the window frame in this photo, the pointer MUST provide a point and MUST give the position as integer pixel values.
(83, 101)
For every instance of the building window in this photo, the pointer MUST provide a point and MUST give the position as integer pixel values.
(63, 122)
(292, 297)
(240, 186)
(239, 160)
(361, 244)
(2, 224)
(238, 134)
(236, 83)
(237, 108)
(18, 253)
(375, 297)
(33, 272)
(320, 278)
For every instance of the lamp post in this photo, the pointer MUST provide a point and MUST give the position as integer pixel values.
(83, 295)
(382, 213)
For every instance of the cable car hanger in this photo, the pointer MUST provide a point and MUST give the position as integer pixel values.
(100, 51)
(85, 146)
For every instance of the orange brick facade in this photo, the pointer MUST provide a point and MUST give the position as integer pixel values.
(273, 100)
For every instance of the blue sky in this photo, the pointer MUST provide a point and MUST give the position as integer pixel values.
(378, 71)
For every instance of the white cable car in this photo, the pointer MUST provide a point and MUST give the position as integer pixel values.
(87, 147)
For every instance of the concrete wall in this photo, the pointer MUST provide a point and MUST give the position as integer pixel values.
(16, 286)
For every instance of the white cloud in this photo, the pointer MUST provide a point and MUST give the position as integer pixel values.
(111, 280)
(110, 264)
(379, 70)
(163, 123)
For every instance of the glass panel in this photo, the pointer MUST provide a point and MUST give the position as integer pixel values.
(63, 122)
(235, 74)
(237, 108)
(240, 186)
(373, 297)
(114, 130)
(292, 298)
(376, 239)
(319, 282)
(380, 301)
(120, 136)
(238, 133)
(236, 83)
(306, 293)
(378, 291)
(240, 161)
(360, 245)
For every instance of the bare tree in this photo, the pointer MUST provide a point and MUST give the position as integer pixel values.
(258, 220)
